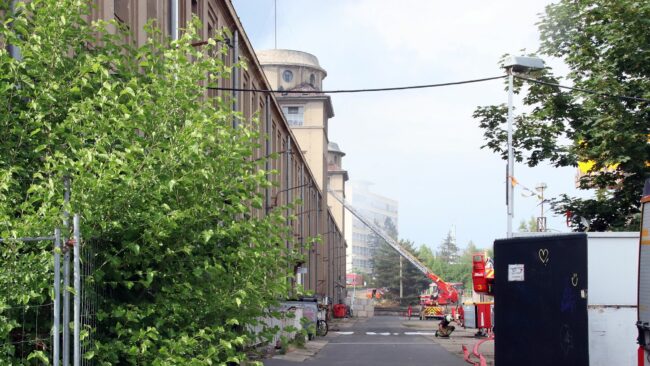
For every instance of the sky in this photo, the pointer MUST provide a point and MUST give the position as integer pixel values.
(420, 147)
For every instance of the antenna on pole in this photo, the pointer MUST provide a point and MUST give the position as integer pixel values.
(275, 30)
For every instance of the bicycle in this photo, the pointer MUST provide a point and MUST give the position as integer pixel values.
(321, 322)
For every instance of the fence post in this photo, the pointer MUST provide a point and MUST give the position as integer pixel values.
(57, 297)
(66, 278)
(77, 292)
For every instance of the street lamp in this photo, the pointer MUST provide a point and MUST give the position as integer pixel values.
(515, 64)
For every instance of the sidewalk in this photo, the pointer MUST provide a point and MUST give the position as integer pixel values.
(311, 348)
(454, 344)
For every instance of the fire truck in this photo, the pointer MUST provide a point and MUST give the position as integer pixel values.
(483, 274)
(442, 294)
(434, 303)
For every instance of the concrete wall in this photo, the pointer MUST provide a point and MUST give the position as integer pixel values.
(362, 307)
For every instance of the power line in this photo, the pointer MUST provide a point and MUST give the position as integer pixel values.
(589, 91)
(340, 91)
(426, 86)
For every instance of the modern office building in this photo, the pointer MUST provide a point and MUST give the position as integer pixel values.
(359, 237)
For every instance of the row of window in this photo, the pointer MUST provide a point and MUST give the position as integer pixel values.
(361, 263)
(361, 238)
(374, 203)
(359, 250)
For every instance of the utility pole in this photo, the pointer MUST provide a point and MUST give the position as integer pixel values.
(401, 292)
(541, 220)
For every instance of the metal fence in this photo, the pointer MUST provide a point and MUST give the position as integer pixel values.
(52, 336)
(285, 326)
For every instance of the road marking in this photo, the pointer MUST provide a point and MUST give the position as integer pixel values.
(345, 333)
(381, 344)
(389, 333)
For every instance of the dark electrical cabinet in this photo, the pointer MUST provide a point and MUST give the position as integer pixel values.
(540, 301)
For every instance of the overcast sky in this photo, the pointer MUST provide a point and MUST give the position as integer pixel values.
(419, 147)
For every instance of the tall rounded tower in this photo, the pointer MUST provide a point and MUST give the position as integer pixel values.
(292, 70)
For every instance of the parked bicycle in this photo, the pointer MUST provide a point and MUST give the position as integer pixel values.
(321, 322)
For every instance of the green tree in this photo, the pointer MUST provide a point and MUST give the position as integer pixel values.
(606, 46)
(528, 226)
(448, 251)
(426, 254)
(165, 186)
(461, 271)
(386, 265)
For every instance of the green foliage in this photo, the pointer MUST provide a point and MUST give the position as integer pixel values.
(386, 266)
(528, 226)
(448, 252)
(164, 184)
(460, 271)
(606, 46)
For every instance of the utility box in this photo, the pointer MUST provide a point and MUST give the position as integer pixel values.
(540, 301)
(540, 279)
(469, 316)
(484, 315)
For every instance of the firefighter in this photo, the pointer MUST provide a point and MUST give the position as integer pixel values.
(444, 328)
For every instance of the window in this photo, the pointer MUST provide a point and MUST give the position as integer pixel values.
(287, 76)
(294, 115)
(312, 80)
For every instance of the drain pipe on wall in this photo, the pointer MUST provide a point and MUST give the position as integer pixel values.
(173, 19)
(14, 51)
(235, 76)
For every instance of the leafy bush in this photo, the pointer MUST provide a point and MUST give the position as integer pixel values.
(166, 187)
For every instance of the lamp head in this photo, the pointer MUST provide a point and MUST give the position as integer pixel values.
(520, 64)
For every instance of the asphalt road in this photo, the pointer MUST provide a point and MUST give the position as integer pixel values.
(380, 341)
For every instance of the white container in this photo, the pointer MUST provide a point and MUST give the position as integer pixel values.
(612, 299)
(469, 316)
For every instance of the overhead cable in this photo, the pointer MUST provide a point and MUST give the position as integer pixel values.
(589, 91)
(426, 86)
(340, 91)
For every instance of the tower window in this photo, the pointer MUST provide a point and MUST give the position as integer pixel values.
(287, 76)
(294, 115)
(312, 80)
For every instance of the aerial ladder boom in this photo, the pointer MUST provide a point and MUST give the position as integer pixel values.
(447, 292)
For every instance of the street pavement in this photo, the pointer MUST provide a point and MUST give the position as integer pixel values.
(377, 341)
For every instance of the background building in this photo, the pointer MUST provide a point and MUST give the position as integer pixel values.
(307, 113)
(298, 76)
(359, 237)
(336, 179)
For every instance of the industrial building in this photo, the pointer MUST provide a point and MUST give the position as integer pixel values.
(301, 172)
